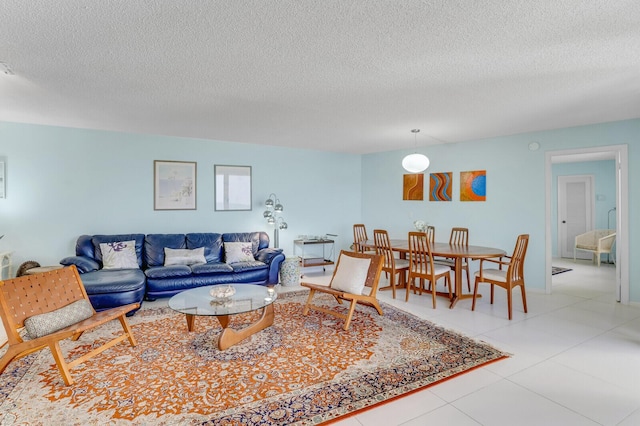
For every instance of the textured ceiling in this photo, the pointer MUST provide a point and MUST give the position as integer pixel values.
(349, 76)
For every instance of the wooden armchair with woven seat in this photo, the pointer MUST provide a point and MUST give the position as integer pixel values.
(53, 306)
(355, 279)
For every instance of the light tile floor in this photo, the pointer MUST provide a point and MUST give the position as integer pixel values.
(575, 358)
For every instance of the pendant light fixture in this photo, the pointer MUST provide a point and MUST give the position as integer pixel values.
(415, 163)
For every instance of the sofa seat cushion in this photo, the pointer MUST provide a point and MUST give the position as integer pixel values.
(172, 271)
(587, 247)
(248, 266)
(113, 281)
(211, 268)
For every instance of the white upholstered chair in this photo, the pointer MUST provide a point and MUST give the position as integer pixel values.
(597, 242)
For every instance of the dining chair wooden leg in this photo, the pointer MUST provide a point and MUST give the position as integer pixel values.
(524, 299)
(475, 294)
(509, 302)
(468, 279)
(392, 283)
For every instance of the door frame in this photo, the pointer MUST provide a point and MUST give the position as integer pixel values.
(619, 153)
(590, 203)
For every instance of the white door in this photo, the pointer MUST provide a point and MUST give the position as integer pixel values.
(575, 212)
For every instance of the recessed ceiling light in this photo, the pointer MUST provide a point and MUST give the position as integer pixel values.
(5, 68)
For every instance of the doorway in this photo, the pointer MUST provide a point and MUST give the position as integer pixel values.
(576, 199)
(619, 153)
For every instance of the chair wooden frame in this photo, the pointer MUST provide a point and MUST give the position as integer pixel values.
(372, 281)
(459, 237)
(359, 237)
(509, 279)
(29, 295)
(391, 265)
(422, 267)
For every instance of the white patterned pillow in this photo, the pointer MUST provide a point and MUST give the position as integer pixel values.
(119, 255)
(183, 256)
(351, 274)
(238, 252)
(43, 324)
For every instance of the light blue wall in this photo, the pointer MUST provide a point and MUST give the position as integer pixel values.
(65, 182)
(604, 176)
(515, 190)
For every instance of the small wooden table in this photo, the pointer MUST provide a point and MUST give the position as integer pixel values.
(247, 298)
(457, 252)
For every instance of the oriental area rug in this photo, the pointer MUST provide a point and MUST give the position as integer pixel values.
(303, 370)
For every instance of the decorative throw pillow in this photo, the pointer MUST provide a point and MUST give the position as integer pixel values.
(351, 274)
(43, 324)
(238, 252)
(183, 256)
(119, 255)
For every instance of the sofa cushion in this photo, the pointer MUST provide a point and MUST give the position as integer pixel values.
(119, 255)
(211, 268)
(50, 322)
(96, 240)
(154, 245)
(113, 281)
(211, 242)
(242, 237)
(168, 271)
(183, 256)
(236, 252)
(248, 266)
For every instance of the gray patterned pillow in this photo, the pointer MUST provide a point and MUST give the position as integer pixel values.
(43, 324)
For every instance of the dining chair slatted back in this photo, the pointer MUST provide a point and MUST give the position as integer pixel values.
(391, 265)
(431, 234)
(508, 279)
(359, 237)
(422, 266)
(458, 237)
(367, 296)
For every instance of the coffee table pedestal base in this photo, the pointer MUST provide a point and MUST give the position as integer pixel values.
(229, 336)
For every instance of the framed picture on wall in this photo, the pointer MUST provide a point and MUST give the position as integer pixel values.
(232, 187)
(174, 185)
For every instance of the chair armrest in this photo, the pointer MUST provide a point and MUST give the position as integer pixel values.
(498, 261)
(83, 263)
(607, 241)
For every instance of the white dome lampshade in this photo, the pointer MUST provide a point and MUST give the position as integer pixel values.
(415, 163)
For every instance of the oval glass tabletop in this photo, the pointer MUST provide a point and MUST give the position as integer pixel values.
(199, 301)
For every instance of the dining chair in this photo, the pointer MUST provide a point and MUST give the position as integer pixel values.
(460, 237)
(359, 236)
(421, 266)
(508, 279)
(431, 234)
(353, 273)
(392, 265)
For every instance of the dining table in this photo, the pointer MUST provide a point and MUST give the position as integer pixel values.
(454, 251)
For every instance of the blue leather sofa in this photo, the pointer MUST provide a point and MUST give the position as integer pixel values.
(108, 288)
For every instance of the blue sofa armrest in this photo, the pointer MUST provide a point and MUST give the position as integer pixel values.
(266, 255)
(272, 257)
(83, 263)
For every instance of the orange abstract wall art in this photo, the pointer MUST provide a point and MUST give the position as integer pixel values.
(440, 186)
(473, 185)
(413, 188)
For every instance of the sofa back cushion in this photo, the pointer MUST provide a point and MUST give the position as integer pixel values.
(154, 245)
(259, 240)
(94, 252)
(211, 242)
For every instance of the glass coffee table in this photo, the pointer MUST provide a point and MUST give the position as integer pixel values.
(247, 298)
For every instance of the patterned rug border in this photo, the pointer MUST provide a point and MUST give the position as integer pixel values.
(475, 354)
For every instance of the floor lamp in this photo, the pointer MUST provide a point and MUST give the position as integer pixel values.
(272, 213)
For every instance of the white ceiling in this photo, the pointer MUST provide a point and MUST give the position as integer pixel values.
(347, 75)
